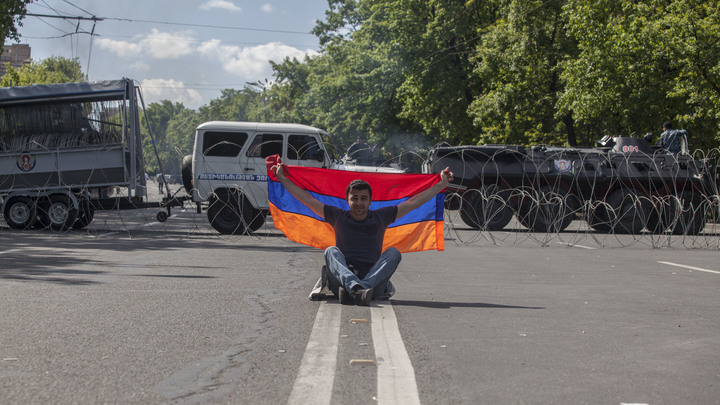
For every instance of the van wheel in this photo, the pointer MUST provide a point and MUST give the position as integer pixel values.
(253, 217)
(225, 214)
(20, 212)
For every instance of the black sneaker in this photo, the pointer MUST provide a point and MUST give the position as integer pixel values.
(363, 297)
(343, 297)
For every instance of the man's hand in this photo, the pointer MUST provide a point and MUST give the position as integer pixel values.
(302, 195)
(446, 176)
(277, 170)
(422, 197)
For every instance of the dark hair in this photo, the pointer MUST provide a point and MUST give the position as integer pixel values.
(358, 185)
(667, 125)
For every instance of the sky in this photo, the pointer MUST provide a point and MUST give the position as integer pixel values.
(178, 50)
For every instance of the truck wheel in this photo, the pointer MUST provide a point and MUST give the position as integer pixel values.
(61, 214)
(224, 213)
(486, 209)
(186, 172)
(659, 216)
(551, 209)
(625, 211)
(20, 212)
(689, 211)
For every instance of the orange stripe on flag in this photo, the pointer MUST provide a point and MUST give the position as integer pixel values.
(303, 229)
(415, 237)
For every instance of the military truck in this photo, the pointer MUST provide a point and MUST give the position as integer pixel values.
(623, 185)
(65, 151)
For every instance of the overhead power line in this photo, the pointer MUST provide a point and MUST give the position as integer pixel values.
(66, 17)
(224, 27)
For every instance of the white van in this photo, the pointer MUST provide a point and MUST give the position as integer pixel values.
(228, 171)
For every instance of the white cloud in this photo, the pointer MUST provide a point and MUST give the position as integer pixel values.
(167, 45)
(267, 7)
(221, 4)
(120, 48)
(158, 45)
(175, 91)
(251, 62)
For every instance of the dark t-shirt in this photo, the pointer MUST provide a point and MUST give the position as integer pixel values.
(360, 241)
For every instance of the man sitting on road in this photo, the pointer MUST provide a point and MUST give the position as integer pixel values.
(358, 270)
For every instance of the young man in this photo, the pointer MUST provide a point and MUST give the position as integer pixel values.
(669, 139)
(358, 270)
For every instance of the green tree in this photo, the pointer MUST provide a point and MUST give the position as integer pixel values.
(55, 69)
(518, 64)
(642, 63)
(12, 13)
(159, 116)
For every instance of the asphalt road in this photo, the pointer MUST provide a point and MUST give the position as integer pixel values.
(132, 311)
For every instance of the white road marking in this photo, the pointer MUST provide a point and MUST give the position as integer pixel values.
(395, 375)
(690, 267)
(314, 382)
(577, 246)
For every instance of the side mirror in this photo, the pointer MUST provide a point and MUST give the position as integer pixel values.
(320, 155)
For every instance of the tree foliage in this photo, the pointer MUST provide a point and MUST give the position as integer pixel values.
(12, 13)
(411, 73)
(56, 69)
(642, 63)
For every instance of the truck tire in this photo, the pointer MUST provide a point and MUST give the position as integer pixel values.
(486, 209)
(61, 213)
(689, 213)
(20, 212)
(551, 209)
(186, 172)
(625, 211)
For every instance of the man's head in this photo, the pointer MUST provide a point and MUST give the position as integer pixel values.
(358, 195)
(361, 139)
(667, 125)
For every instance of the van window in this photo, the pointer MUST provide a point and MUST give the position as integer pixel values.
(223, 144)
(265, 145)
(302, 147)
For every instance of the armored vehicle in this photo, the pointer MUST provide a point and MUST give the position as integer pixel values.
(623, 185)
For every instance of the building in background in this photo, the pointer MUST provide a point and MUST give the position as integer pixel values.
(16, 55)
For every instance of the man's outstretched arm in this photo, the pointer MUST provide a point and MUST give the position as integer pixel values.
(297, 192)
(424, 196)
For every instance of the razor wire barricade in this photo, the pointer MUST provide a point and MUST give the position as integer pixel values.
(502, 195)
(607, 196)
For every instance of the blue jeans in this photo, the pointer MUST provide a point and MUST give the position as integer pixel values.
(339, 275)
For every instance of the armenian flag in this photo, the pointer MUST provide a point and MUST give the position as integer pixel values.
(420, 229)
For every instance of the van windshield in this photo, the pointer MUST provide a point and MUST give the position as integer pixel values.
(329, 146)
